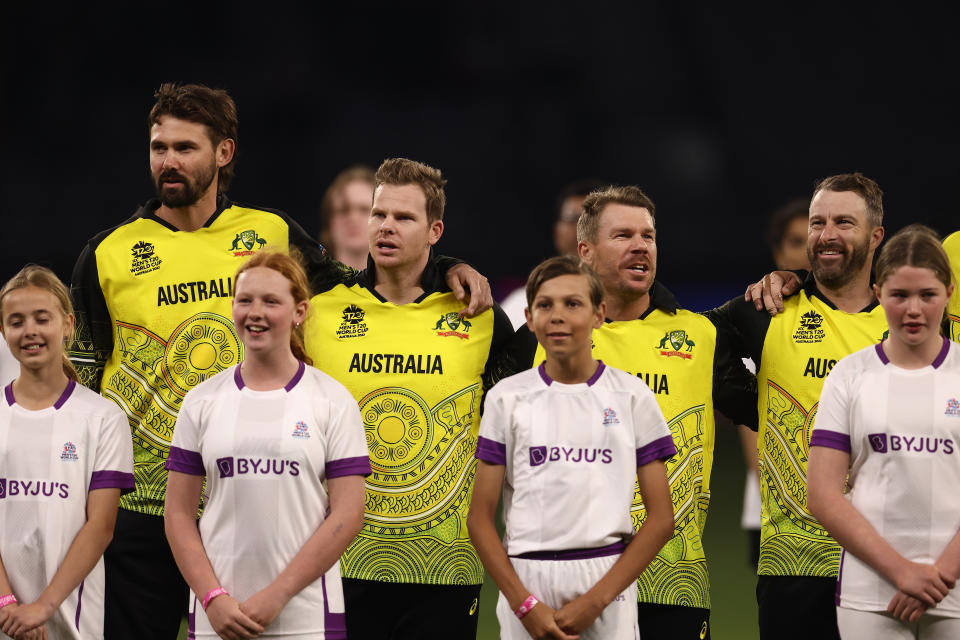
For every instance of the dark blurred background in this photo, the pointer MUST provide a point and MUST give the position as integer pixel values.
(720, 113)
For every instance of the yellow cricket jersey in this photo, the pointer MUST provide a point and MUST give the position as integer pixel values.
(417, 372)
(154, 317)
(675, 352)
(952, 246)
(795, 350)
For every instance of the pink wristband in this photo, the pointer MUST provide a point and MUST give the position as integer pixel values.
(7, 599)
(527, 605)
(213, 593)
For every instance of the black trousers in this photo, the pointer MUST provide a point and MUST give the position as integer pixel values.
(401, 611)
(146, 597)
(797, 607)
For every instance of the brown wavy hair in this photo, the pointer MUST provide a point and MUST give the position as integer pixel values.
(33, 275)
(290, 266)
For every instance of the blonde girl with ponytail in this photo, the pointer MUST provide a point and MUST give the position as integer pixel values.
(65, 458)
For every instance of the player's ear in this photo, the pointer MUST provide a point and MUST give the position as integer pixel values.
(436, 230)
(224, 151)
(585, 251)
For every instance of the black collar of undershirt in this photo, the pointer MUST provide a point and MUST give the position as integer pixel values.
(430, 280)
(811, 289)
(149, 211)
(660, 298)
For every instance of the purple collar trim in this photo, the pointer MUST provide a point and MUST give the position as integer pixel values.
(881, 353)
(542, 370)
(287, 387)
(71, 385)
(944, 350)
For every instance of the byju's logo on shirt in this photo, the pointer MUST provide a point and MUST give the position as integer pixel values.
(953, 408)
(46, 488)
(541, 455)
(610, 417)
(69, 452)
(230, 467)
(881, 443)
(301, 430)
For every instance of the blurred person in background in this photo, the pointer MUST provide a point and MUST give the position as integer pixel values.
(569, 207)
(787, 239)
(344, 212)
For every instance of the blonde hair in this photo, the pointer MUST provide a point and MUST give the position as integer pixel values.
(34, 275)
(289, 266)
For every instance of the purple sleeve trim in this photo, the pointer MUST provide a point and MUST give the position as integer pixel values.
(185, 461)
(660, 449)
(831, 439)
(112, 480)
(491, 451)
(359, 466)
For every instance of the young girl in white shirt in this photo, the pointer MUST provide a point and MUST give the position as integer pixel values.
(65, 458)
(888, 423)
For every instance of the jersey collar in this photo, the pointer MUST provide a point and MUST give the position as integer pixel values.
(430, 280)
(941, 356)
(812, 290)
(238, 379)
(71, 385)
(547, 380)
(149, 211)
(660, 298)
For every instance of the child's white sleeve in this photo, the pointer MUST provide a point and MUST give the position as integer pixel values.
(184, 453)
(346, 452)
(831, 426)
(652, 437)
(492, 442)
(113, 464)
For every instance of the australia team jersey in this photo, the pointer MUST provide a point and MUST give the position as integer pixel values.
(416, 371)
(571, 453)
(795, 351)
(676, 353)
(266, 456)
(902, 430)
(154, 317)
(952, 246)
(50, 461)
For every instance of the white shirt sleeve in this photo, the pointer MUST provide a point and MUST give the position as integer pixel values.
(113, 460)
(651, 435)
(831, 427)
(346, 452)
(492, 442)
(184, 453)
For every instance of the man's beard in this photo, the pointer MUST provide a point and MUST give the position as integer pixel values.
(189, 192)
(849, 268)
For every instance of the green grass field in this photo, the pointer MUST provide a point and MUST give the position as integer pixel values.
(734, 615)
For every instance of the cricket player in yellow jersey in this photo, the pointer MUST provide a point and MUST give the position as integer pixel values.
(153, 306)
(952, 246)
(393, 336)
(683, 359)
(834, 314)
